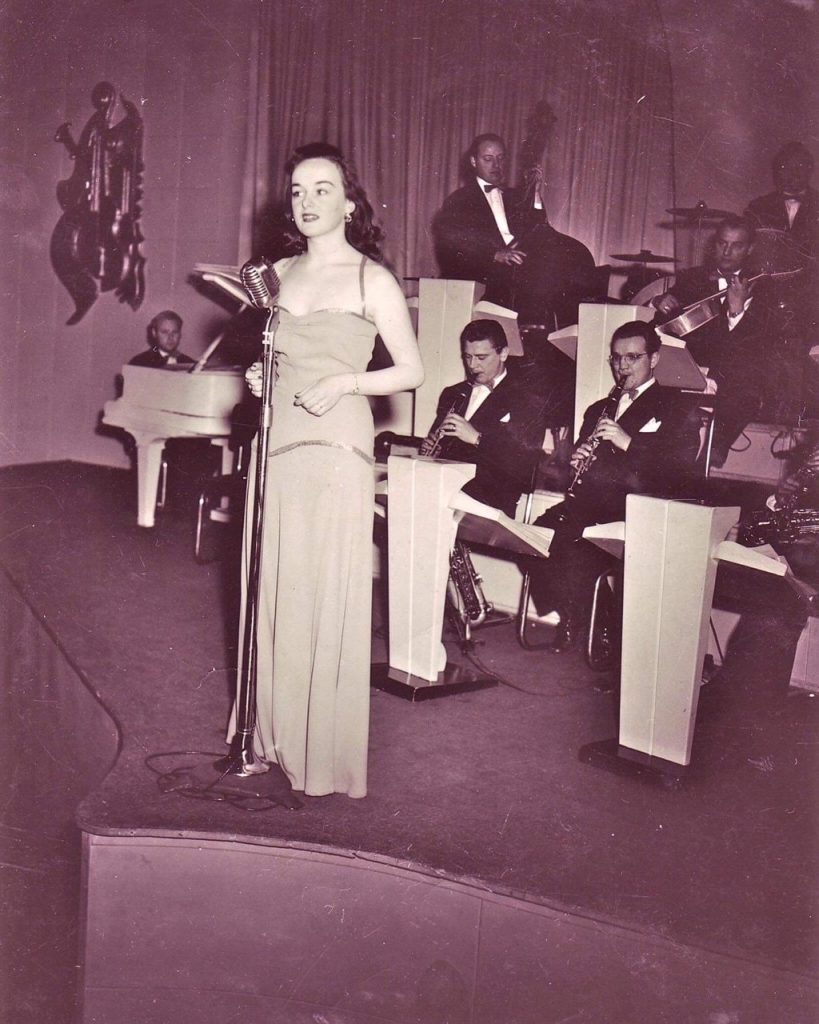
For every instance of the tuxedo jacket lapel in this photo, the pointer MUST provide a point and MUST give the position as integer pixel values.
(492, 405)
(644, 408)
(483, 212)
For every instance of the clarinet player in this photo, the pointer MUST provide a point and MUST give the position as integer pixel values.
(495, 418)
(643, 439)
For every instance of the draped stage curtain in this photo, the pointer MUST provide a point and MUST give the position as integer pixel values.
(402, 88)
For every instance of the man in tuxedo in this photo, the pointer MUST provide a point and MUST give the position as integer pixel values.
(642, 439)
(498, 236)
(793, 206)
(736, 348)
(787, 220)
(495, 419)
(164, 336)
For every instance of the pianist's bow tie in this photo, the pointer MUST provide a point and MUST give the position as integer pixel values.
(488, 188)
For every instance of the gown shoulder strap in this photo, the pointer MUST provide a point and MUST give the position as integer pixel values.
(361, 286)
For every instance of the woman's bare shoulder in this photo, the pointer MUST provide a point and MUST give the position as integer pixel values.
(379, 276)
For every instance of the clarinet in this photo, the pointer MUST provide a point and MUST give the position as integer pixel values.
(437, 437)
(609, 411)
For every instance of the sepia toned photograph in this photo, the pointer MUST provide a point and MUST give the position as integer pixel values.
(409, 512)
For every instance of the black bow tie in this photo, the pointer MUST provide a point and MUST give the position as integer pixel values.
(488, 188)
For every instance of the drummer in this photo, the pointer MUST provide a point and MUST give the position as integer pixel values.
(731, 346)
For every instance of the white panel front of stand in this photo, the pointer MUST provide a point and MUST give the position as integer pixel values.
(421, 532)
(670, 569)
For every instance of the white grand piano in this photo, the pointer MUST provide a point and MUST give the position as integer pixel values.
(157, 404)
(179, 401)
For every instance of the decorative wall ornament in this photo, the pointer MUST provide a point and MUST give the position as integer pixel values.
(95, 244)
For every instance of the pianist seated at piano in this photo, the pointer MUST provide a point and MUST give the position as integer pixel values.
(180, 424)
(164, 337)
(496, 419)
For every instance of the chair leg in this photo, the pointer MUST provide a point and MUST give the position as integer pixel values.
(601, 646)
(200, 521)
(163, 484)
(523, 610)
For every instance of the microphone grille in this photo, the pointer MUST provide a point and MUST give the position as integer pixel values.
(253, 275)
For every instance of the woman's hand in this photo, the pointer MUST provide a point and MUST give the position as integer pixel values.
(253, 379)
(322, 395)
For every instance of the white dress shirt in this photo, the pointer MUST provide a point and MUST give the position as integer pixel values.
(626, 399)
(495, 200)
(733, 318)
(792, 204)
(479, 394)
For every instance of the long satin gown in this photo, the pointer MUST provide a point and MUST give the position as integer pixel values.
(314, 616)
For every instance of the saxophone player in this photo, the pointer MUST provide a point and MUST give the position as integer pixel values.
(643, 439)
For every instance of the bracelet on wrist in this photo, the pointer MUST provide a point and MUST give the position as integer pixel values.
(355, 390)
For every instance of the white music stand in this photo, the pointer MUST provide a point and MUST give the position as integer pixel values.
(670, 561)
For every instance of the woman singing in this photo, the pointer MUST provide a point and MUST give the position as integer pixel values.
(313, 639)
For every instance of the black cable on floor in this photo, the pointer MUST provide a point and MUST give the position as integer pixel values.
(566, 691)
(194, 782)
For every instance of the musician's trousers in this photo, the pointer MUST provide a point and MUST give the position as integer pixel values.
(565, 580)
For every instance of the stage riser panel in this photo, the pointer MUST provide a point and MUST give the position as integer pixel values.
(210, 930)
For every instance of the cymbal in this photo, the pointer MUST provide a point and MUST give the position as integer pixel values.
(698, 212)
(643, 256)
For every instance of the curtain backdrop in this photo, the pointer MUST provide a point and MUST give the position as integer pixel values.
(402, 88)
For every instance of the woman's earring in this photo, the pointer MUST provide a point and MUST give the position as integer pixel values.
(348, 218)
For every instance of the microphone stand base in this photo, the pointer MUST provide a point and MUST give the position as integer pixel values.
(241, 763)
(252, 792)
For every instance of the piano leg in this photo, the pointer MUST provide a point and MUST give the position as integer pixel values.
(221, 513)
(228, 458)
(149, 460)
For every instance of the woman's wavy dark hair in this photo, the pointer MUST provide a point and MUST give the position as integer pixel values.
(361, 231)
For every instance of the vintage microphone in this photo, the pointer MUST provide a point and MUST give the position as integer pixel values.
(261, 283)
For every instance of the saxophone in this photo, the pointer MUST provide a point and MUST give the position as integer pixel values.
(468, 597)
(793, 518)
(464, 586)
(779, 526)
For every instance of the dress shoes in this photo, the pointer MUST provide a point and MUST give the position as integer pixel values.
(566, 638)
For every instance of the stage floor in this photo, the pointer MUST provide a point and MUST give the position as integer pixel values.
(483, 787)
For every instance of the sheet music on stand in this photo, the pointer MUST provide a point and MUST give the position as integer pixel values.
(483, 524)
(229, 280)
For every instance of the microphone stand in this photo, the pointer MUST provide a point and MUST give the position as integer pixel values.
(241, 759)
